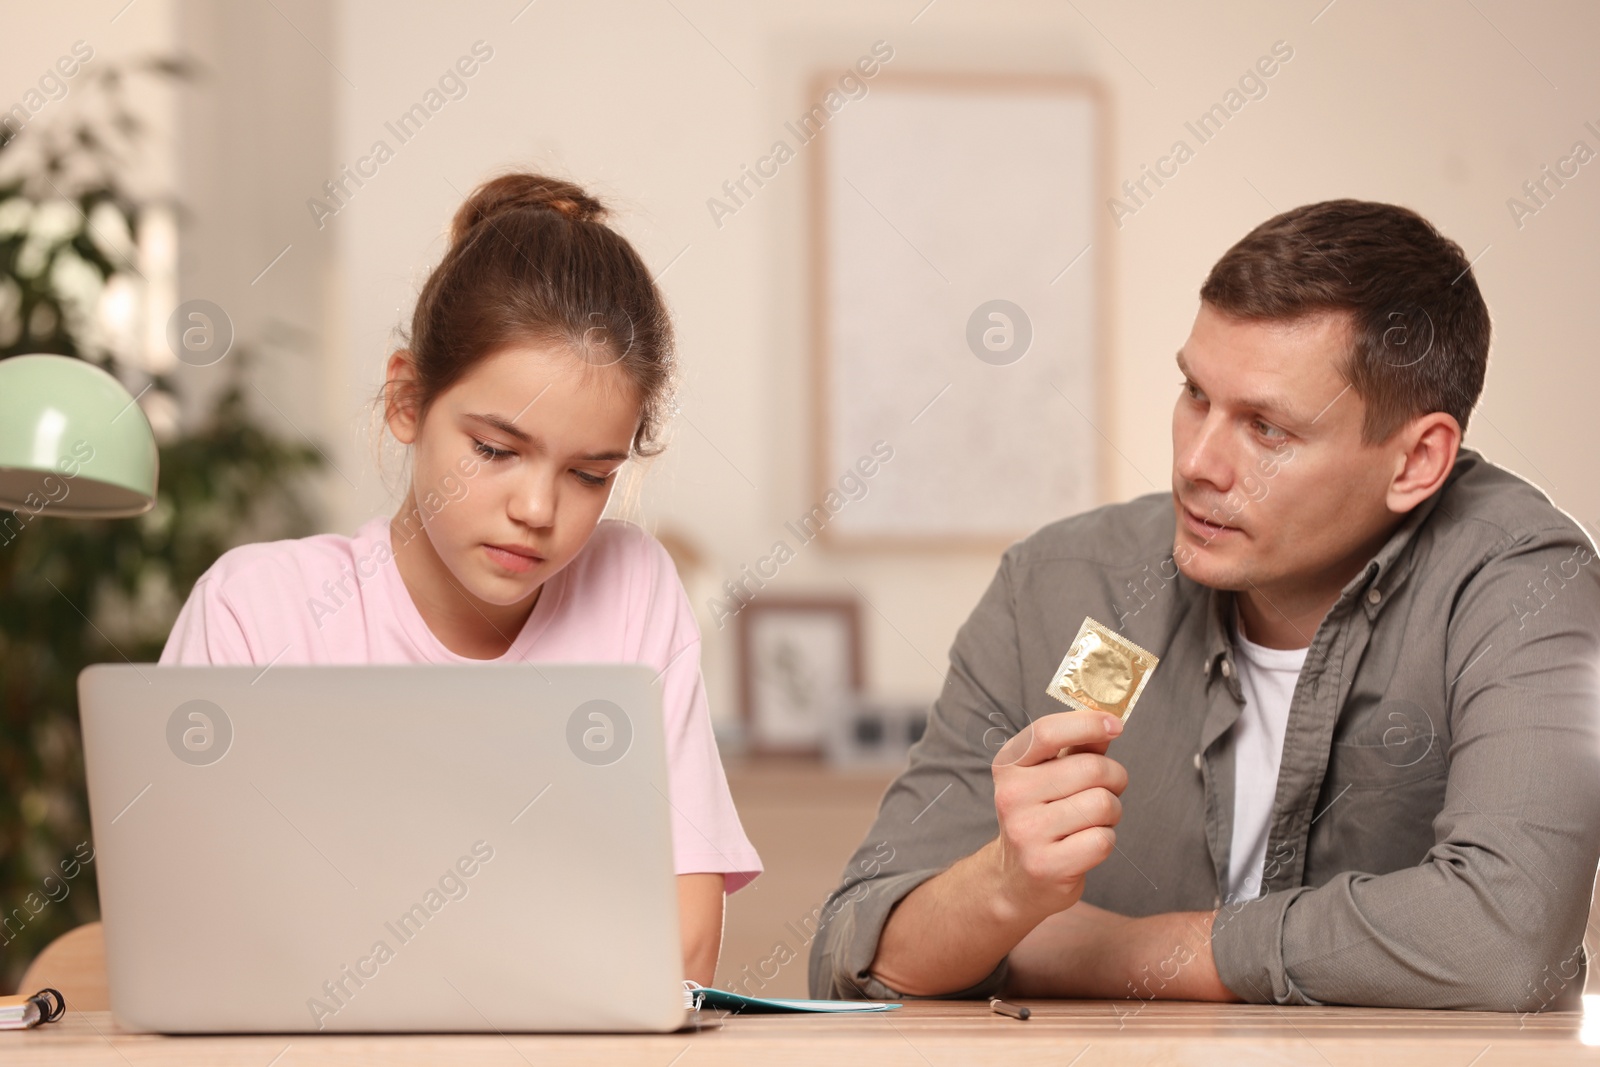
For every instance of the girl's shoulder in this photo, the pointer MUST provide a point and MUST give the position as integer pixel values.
(312, 559)
(626, 586)
(623, 556)
(620, 542)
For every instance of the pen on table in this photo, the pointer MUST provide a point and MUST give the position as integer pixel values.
(1016, 1011)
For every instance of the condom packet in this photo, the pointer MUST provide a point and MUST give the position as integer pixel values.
(1102, 671)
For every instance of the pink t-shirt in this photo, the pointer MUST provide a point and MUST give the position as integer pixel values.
(334, 599)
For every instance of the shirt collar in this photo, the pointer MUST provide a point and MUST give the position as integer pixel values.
(1388, 570)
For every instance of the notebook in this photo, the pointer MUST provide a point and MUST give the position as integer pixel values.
(20, 1012)
(697, 996)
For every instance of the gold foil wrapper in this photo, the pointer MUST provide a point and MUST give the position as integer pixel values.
(1102, 671)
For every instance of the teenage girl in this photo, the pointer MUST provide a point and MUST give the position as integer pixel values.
(539, 361)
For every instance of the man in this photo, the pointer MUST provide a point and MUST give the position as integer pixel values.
(1367, 767)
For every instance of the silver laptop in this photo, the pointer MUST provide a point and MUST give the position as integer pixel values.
(405, 848)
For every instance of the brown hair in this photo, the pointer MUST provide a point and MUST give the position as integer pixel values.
(1419, 326)
(532, 261)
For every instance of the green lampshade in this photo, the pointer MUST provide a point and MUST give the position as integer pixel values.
(73, 442)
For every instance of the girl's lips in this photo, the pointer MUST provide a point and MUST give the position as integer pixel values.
(1207, 530)
(518, 561)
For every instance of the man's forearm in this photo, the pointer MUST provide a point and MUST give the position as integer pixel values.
(1056, 801)
(949, 932)
(1168, 957)
(1093, 953)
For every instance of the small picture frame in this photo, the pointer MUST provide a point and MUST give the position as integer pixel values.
(799, 670)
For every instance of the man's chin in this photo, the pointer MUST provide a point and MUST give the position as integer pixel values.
(1206, 565)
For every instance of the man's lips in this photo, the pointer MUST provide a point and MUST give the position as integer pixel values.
(516, 558)
(1205, 528)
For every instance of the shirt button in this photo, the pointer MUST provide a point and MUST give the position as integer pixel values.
(1206, 669)
(1197, 761)
(1216, 902)
(1373, 596)
(1227, 669)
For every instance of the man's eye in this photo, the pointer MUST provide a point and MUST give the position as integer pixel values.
(488, 451)
(1193, 391)
(1268, 430)
(592, 479)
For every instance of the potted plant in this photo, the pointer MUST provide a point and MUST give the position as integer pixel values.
(72, 238)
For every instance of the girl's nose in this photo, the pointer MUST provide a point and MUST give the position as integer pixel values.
(533, 503)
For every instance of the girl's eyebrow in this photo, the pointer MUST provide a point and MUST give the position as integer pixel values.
(512, 430)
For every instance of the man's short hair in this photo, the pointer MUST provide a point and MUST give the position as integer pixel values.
(1418, 322)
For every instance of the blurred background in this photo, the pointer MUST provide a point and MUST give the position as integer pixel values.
(159, 153)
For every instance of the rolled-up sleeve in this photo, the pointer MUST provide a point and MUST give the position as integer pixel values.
(1494, 916)
(938, 811)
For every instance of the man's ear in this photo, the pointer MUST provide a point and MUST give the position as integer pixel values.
(399, 397)
(1430, 444)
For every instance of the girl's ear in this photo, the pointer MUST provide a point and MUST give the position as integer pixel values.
(399, 397)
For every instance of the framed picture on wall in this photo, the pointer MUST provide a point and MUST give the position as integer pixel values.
(799, 669)
(959, 248)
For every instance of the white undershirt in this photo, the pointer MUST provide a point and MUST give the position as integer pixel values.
(1267, 676)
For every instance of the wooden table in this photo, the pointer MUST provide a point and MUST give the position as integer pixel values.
(921, 1034)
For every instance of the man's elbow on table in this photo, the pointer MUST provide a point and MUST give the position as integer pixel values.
(1511, 954)
(1514, 973)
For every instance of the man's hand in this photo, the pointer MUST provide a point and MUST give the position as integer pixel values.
(1056, 820)
(1057, 796)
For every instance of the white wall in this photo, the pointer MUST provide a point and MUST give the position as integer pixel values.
(30, 46)
(653, 105)
(232, 144)
(256, 129)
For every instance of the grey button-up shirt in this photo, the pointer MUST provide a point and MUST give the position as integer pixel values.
(1436, 827)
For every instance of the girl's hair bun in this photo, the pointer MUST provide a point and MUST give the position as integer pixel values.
(511, 192)
(531, 262)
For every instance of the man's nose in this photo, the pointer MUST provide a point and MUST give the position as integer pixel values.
(1204, 457)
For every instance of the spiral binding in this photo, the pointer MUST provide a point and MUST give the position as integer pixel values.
(52, 1005)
